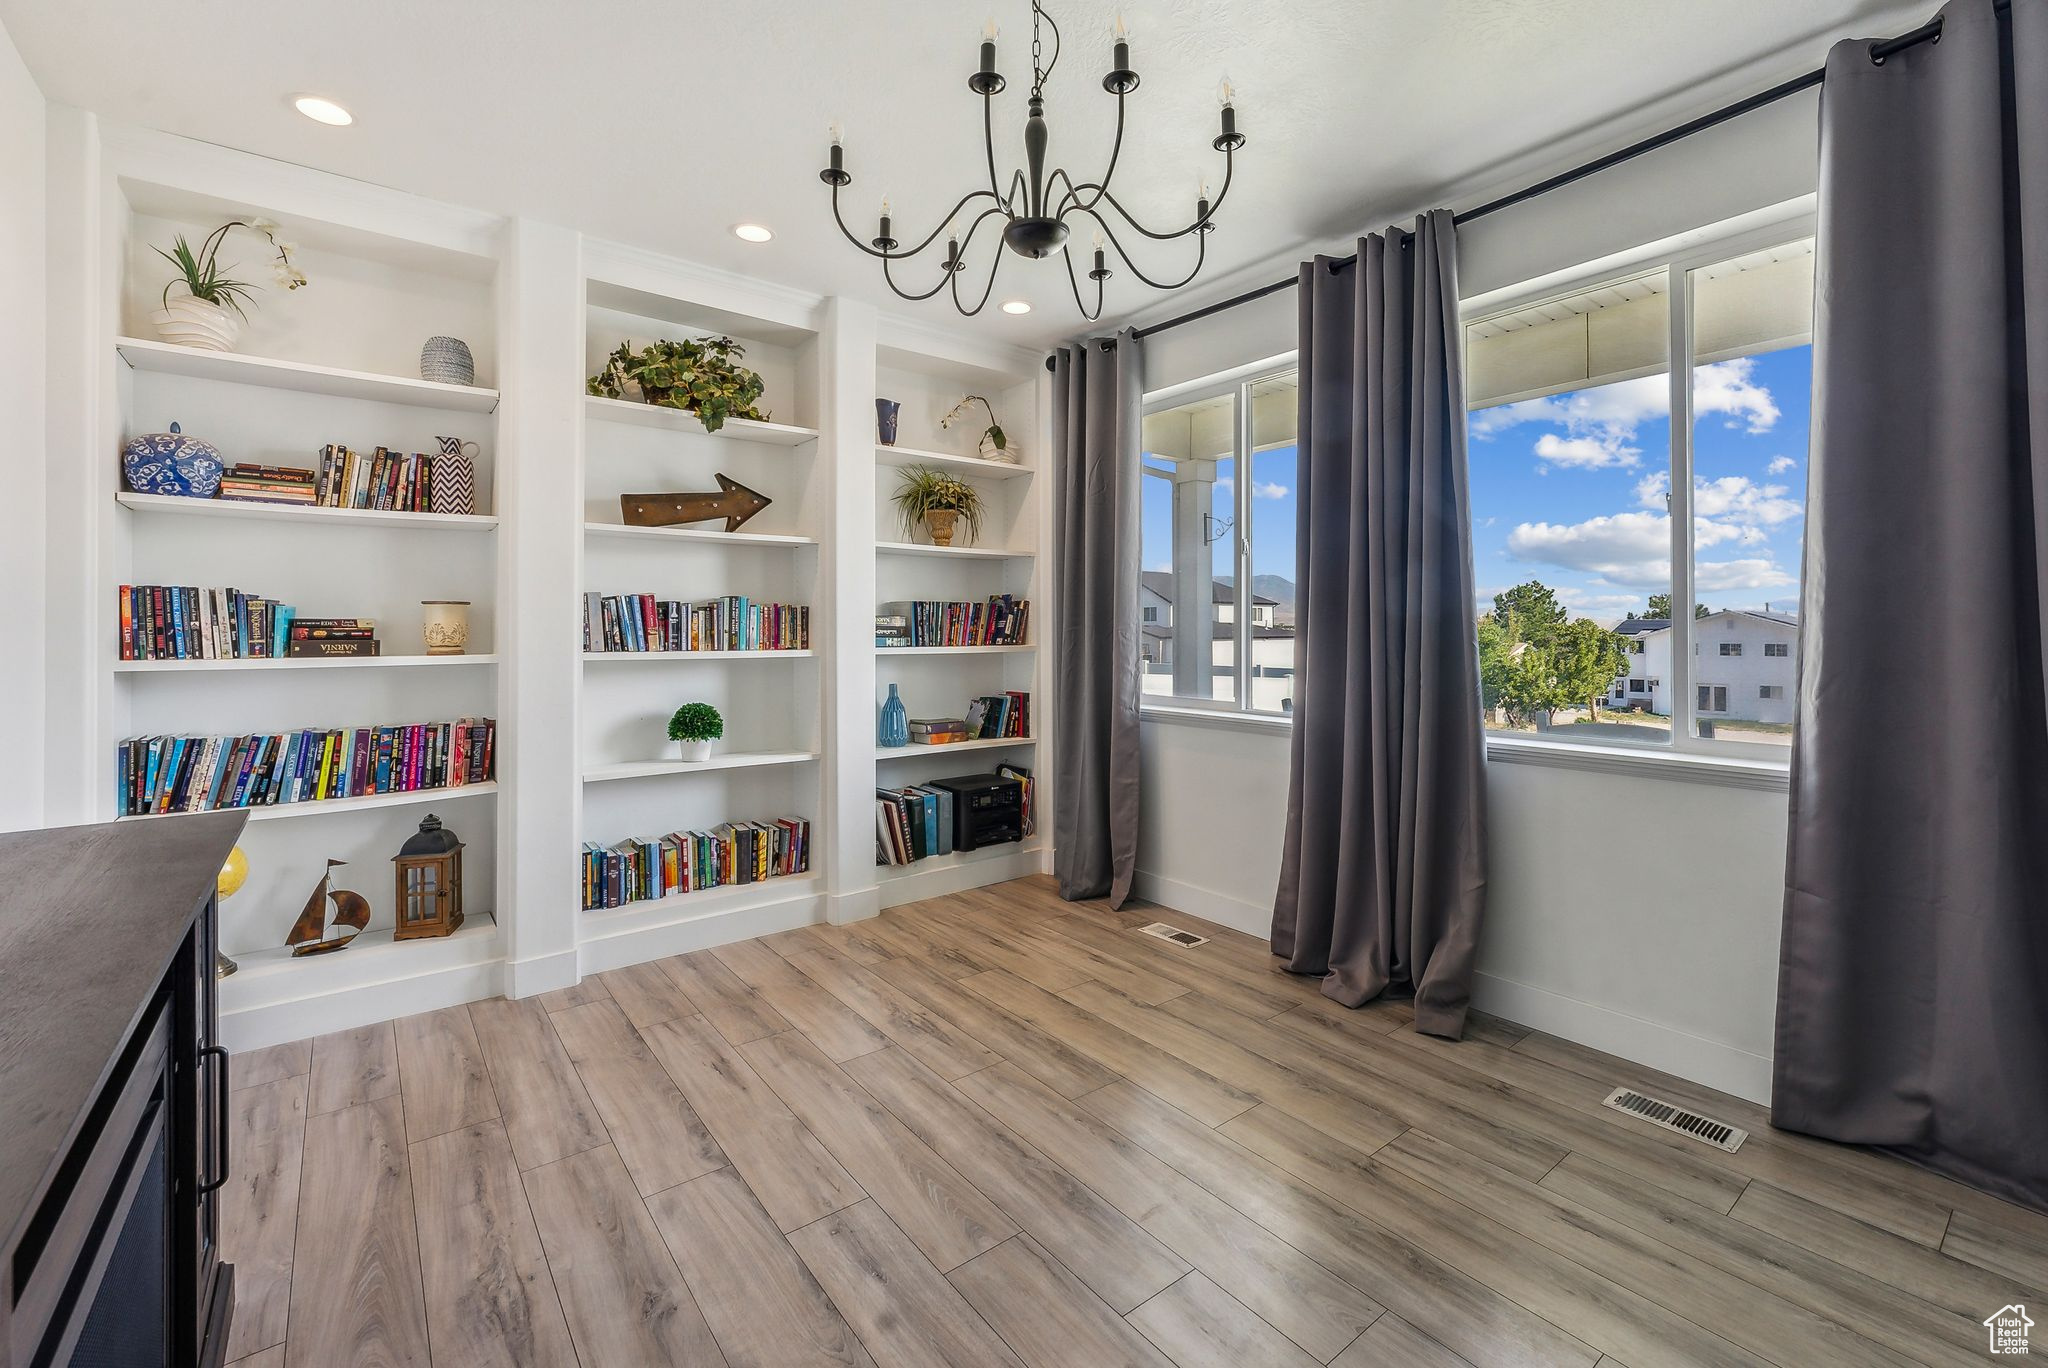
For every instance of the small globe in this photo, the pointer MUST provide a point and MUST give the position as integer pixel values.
(233, 874)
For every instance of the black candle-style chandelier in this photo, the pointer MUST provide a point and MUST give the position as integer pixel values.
(1035, 223)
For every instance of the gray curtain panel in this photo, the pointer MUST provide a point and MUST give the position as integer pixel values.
(1913, 984)
(1097, 392)
(1382, 876)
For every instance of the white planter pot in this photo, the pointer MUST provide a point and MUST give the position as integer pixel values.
(991, 452)
(693, 752)
(192, 322)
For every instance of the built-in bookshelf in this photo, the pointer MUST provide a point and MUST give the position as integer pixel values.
(582, 733)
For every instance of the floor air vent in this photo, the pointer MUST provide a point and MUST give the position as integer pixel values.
(1174, 934)
(1706, 1129)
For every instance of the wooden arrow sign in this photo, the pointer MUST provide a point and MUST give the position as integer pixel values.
(733, 502)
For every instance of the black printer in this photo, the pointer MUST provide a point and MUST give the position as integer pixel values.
(988, 809)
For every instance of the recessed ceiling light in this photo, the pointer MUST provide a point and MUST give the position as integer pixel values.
(751, 232)
(1017, 306)
(323, 111)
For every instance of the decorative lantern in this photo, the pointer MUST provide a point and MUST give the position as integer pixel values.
(429, 882)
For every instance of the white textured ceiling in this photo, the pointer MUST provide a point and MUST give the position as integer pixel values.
(662, 124)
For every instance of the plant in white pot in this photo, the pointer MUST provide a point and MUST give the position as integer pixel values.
(694, 727)
(995, 443)
(209, 312)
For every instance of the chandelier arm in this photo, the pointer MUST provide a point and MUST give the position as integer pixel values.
(988, 140)
(994, 269)
(899, 254)
(1017, 185)
(1074, 283)
(1072, 198)
(948, 277)
(1201, 254)
(1229, 167)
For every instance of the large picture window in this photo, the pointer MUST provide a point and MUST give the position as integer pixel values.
(1216, 596)
(1594, 512)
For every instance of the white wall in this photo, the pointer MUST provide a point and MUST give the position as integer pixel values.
(23, 460)
(1635, 914)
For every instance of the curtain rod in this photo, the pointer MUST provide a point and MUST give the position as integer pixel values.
(1879, 51)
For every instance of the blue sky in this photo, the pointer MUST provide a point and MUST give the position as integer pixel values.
(1570, 490)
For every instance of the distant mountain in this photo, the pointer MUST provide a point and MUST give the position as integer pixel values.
(1280, 589)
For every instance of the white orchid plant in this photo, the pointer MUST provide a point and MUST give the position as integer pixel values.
(199, 272)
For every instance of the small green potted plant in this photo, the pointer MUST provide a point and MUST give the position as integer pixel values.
(209, 313)
(697, 375)
(995, 443)
(939, 503)
(694, 727)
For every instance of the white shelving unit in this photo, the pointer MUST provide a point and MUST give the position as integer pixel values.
(581, 739)
(913, 752)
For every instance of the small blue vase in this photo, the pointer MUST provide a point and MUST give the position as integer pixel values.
(895, 728)
(172, 463)
(886, 413)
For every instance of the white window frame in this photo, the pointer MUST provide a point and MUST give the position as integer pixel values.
(1238, 383)
(1678, 258)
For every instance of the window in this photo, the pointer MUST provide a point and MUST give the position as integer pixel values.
(1593, 511)
(1217, 542)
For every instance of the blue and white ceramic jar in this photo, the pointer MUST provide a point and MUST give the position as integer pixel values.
(172, 463)
(446, 360)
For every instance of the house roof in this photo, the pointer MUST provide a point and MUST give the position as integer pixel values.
(1632, 627)
(1629, 627)
(1161, 583)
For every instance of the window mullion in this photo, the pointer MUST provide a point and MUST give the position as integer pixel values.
(1678, 289)
(1241, 548)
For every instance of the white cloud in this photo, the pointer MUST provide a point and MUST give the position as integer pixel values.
(1585, 453)
(1224, 483)
(1779, 465)
(1653, 489)
(1605, 609)
(1737, 498)
(1725, 388)
(1633, 551)
(1268, 489)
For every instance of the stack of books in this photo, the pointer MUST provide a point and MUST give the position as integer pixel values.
(155, 774)
(385, 479)
(937, 731)
(1022, 776)
(642, 622)
(328, 638)
(1001, 621)
(181, 622)
(686, 861)
(999, 715)
(268, 484)
(912, 823)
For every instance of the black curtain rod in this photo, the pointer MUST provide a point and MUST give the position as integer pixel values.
(1928, 32)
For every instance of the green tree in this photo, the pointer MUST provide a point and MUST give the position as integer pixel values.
(1531, 610)
(1660, 607)
(1584, 660)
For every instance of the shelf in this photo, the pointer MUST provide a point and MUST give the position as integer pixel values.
(168, 359)
(949, 650)
(302, 513)
(321, 807)
(273, 975)
(954, 747)
(1030, 845)
(677, 420)
(975, 465)
(706, 900)
(695, 534)
(731, 760)
(390, 662)
(647, 657)
(962, 552)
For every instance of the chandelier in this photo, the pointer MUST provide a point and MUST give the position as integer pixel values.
(1036, 206)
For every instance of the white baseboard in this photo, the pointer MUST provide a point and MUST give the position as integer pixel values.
(1710, 1062)
(676, 926)
(957, 873)
(273, 1023)
(542, 973)
(859, 905)
(1250, 918)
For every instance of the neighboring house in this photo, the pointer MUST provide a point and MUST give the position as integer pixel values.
(1272, 644)
(1744, 665)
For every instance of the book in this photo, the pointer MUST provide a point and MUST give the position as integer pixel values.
(999, 621)
(301, 649)
(186, 622)
(636, 869)
(199, 773)
(644, 623)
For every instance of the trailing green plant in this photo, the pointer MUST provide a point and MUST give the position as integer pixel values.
(199, 272)
(994, 431)
(696, 722)
(698, 375)
(925, 490)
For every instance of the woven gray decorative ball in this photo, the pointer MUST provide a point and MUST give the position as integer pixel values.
(446, 361)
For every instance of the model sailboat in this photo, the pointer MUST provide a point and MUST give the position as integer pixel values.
(331, 919)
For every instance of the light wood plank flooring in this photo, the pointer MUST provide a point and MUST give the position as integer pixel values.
(997, 1128)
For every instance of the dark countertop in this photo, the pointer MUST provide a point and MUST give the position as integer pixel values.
(90, 918)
